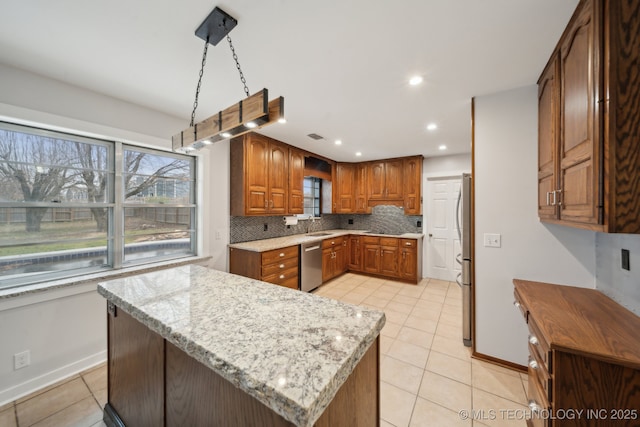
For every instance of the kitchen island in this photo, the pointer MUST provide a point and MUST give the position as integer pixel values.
(195, 346)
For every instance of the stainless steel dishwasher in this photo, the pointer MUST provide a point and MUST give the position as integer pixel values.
(311, 266)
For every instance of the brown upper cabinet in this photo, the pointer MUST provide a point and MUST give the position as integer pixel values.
(361, 189)
(259, 176)
(384, 180)
(589, 121)
(296, 181)
(412, 167)
(344, 200)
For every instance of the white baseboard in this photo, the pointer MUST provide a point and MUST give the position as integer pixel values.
(17, 391)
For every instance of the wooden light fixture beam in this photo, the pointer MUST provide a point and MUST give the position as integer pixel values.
(247, 115)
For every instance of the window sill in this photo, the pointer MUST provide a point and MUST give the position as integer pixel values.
(88, 281)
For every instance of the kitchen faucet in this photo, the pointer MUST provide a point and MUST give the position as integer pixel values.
(310, 223)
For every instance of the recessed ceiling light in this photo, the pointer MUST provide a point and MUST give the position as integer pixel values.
(225, 135)
(251, 125)
(432, 126)
(442, 147)
(207, 142)
(358, 154)
(338, 142)
(415, 80)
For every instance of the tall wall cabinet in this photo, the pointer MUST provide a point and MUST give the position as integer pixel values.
(259, 176)
(589, 121)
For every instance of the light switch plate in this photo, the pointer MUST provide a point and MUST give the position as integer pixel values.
(492, 240)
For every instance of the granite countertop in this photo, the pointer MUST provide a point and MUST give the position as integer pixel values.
(297, 239)
(290, 350)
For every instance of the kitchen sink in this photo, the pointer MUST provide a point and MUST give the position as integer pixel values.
(319, 233)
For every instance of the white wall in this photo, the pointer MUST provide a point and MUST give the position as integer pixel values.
(621, 285)
(506, 200)
(66, 333)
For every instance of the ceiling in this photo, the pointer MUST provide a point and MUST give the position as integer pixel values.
(342, 65)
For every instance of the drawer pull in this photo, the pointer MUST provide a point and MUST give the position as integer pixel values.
(407, 244)
(533, 364)
(517, 304)
(281, 265)
(533, 340)
(533, 405)
(282, 276)
(281, 254)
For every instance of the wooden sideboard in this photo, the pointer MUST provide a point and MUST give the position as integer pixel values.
(584, 357)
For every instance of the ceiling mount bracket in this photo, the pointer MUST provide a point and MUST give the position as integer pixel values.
(216, 26)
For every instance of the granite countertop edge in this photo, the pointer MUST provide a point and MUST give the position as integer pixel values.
(281, 404)
(298, 239)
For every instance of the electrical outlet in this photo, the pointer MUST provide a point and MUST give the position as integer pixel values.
(492, 240)
(218, 235)
(419, 223)
(350, 221)
(266, 226)
(21, 360)
(625, 259)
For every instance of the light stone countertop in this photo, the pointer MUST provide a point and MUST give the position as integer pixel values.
(291, 350)
(297, 239)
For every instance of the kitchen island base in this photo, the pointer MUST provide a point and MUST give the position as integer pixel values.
(154, 383)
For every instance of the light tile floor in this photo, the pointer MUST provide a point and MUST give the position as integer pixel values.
(427, 374)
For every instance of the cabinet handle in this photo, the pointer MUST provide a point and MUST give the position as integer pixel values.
(533, 340)
(281, 254)
(282, 276)
(533, 364)
(548, 197)
(517, 304)
(344, 243)
(559, 197)
(407, 244)
(281, 265)
(266, 204)
(554, 198)
(271, 204)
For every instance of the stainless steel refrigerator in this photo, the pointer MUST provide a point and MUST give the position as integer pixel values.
(465, 257)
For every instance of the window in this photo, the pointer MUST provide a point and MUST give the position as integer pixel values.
(312, 189)
(68, 207)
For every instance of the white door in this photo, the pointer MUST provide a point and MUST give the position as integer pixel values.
(442, 241)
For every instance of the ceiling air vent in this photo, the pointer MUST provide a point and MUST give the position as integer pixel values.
(315, 136)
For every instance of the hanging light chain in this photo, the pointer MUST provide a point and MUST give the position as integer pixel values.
(235, 57)
(195, 102)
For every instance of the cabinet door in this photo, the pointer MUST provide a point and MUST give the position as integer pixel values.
(389, 260)
(256, 168)
(409, 264)
(361, 188)
(296, 181)
(327, 264)
(393, 179)
(278, 178)
(548, 104)
(371, 258)
(345, 173)
(375, 180)
(355, 254)
(579, 156)
(412, 186)
(340, 258)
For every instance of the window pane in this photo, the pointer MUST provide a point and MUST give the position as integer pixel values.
(154, 178)
(157, 232)
(50, 241)
(39, 168)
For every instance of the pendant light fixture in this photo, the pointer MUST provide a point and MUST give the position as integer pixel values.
(251, 113)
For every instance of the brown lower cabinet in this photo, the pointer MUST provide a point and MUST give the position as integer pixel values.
(279, 266)
(584, 357)
(153, 383)
(334, 257)
(388, 256)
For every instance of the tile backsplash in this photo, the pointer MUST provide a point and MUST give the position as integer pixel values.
(383, 219)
